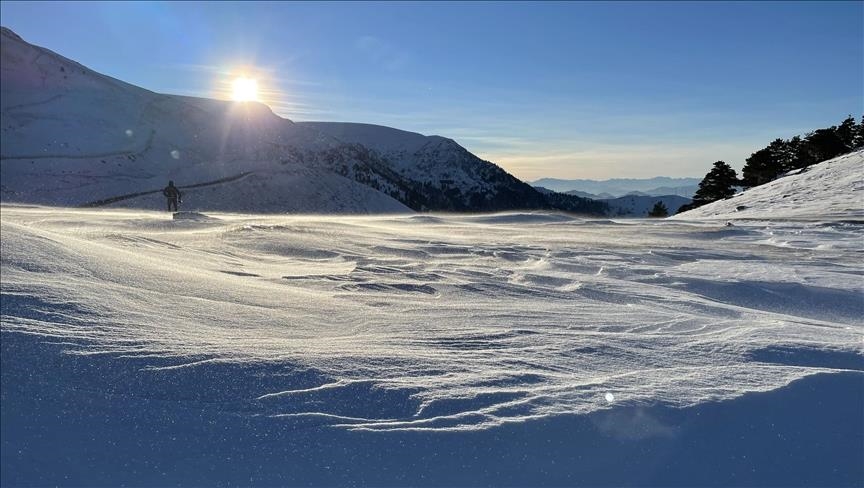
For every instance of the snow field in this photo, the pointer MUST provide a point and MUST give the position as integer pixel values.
(440, 322)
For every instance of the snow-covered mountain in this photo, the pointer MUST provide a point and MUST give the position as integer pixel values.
(640, 205)
(616, 187)
(441, 174)
(831, 190)
(71, 136)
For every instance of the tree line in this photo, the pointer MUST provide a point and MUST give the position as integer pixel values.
(776, 159)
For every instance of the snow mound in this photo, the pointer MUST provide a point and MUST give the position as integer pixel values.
(521, 218)
(197, 216)
(831, 190)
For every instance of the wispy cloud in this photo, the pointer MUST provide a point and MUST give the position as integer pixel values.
(382, 53)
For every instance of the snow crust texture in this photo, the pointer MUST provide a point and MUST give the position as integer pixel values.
(438, 322)
(833, 189)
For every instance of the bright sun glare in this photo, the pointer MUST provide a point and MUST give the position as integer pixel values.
(245, 90)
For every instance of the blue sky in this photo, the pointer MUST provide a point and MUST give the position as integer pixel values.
(570, 90)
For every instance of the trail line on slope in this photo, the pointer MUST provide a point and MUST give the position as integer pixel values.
(138, 152)
(32, 104)
(110, 200)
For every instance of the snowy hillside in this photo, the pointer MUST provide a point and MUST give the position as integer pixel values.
(832, 190)
(71, 136)
(501, 349)
(639, 206)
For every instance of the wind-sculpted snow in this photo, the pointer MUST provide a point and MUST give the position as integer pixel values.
(437, 322)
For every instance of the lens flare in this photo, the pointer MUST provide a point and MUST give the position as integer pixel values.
(245, 90)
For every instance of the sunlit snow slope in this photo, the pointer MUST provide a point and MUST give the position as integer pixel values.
(832, 190)
(425, 322)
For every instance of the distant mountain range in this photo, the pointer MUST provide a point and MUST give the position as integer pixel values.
(617, 187)
(73, 137)
(633, 204)
(640, 205)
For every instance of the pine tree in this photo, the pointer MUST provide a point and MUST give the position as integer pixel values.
(826, 144)
(659, 210)
(802, 153)
(858, 140)
(761, 167)
(685, 207)
(781, 155)
(846, 132)
(718, 184)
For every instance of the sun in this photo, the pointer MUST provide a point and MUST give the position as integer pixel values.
(245, 90)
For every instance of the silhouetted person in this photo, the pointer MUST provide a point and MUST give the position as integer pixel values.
(173, 195)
